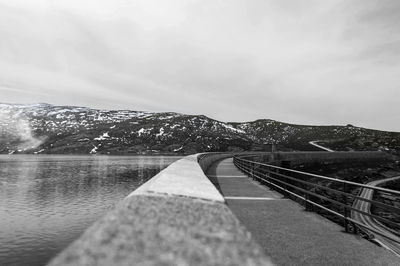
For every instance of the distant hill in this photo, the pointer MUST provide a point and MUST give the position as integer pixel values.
(45, 128)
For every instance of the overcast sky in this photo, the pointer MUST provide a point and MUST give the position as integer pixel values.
(304, 61)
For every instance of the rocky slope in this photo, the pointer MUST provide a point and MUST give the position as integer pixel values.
(44, 128)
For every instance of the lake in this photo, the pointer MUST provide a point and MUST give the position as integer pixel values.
(47, 201)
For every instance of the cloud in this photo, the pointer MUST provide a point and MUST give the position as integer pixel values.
(324, 62)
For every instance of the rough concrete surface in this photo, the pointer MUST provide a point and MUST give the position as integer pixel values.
(184, 177)
(165, 230)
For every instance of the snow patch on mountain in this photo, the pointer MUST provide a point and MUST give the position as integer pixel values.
(143, 131)
(102, 137)
(229, 127)
(94, 150)
(160, 133)
(178, 149)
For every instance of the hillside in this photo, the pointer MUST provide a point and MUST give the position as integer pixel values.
(44, 128)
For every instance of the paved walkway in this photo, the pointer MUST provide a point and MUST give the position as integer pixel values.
(287, 233)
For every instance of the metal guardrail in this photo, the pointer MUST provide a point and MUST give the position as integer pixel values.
(333, 195)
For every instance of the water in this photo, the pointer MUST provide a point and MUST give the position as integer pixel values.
(47, 201)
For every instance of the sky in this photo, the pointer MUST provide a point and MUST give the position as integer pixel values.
(297, 61)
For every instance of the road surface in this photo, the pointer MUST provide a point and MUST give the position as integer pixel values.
(314, 143)
(373, 223)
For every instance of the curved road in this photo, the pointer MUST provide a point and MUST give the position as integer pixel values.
(314, 143)
(373, 223)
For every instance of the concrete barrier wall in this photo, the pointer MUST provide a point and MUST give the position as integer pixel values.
(373, 155)
(317, 157)
(176, 218)
(184, 177)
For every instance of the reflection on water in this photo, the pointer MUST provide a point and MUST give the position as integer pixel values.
(48, 201)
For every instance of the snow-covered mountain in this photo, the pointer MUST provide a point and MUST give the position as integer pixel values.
(45, 128)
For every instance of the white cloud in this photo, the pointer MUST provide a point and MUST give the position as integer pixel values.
(298, 61)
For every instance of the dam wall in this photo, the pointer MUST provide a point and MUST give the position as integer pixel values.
(295, 158)
(176, 218)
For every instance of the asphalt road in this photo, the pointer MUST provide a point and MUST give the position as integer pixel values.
(373, 223)
(314, 143)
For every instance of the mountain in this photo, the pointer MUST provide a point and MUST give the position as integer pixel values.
(45, 128)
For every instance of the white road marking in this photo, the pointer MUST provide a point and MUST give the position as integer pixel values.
(251, 198)
(227, 176)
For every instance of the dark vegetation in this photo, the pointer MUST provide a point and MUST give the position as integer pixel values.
(355, 171)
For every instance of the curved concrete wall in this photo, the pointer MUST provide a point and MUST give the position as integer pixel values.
(315, 157)
(184, 177)
(176, 218)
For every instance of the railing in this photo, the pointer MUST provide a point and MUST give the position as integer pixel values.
(332, 195)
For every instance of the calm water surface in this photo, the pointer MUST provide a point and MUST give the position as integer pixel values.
(47, 201)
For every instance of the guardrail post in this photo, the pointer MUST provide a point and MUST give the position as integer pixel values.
(307, 197)
(252, 170)
(346, 211)
(284, 186)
